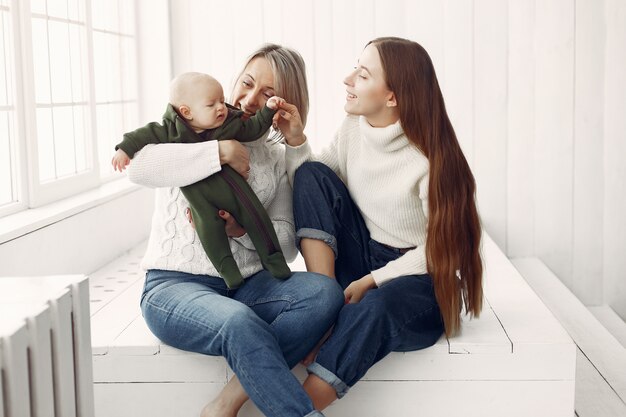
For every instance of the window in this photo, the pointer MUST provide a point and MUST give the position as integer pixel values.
(75, 97)
(9, 172)
(115, 75)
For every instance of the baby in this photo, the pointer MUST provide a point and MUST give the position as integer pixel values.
(197, 113)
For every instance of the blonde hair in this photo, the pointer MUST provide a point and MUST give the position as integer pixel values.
(289, 75)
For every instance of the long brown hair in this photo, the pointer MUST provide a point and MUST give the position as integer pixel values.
(454, 232)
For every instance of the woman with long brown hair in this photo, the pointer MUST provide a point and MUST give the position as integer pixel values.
(388, 209)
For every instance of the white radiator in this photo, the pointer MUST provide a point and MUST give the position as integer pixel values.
(45, 347)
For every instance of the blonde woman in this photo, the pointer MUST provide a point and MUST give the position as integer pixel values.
(267, 325)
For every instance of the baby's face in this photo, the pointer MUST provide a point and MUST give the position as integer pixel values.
(208, 110)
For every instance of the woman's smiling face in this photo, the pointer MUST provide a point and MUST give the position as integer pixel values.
(367, 91)
(254, 86)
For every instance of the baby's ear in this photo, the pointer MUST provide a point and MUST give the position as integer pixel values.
(185, 111)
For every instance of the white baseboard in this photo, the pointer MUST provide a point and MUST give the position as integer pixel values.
(611, 321)
(78, 238)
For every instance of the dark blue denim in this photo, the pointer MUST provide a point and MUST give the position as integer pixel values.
(401, 315)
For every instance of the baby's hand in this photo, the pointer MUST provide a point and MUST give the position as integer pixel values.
(275, 102)
(120, 160)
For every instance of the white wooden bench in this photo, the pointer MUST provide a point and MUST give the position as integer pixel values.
(45, 350)
(516, 360)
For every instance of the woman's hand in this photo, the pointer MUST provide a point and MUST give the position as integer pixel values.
(288, 120)
(236, 155)
(233, 229)
(357, 289)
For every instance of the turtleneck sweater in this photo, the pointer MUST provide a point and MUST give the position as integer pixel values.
(173, 244)
(387, 177)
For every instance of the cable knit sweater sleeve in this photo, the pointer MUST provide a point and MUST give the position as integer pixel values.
(174, 164)
(330, 156)
(296, 156)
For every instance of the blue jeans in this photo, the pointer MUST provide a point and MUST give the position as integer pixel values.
(262, 328)
(401, 315)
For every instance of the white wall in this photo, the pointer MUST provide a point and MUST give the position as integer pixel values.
(614, 173)
(154, 60)
(82, 242)
(535, 90)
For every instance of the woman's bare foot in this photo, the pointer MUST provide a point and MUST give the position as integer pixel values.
(228, 402)
(322, 394)
(217, 408)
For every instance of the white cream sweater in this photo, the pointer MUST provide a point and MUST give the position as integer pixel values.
(387, 177)
(173, 244)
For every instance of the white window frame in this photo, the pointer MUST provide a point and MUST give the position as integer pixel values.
(31, 193)
(19, 183)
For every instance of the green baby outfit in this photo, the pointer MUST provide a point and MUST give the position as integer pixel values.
(225, 190)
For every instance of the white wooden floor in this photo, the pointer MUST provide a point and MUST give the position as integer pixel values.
(601, 358)
(601, 355)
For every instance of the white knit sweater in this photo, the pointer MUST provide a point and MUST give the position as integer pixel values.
(173, 244)
(387, 177)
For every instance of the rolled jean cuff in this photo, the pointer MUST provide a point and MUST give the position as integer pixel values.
(331, 379)
(307, 233)
(314, 413)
